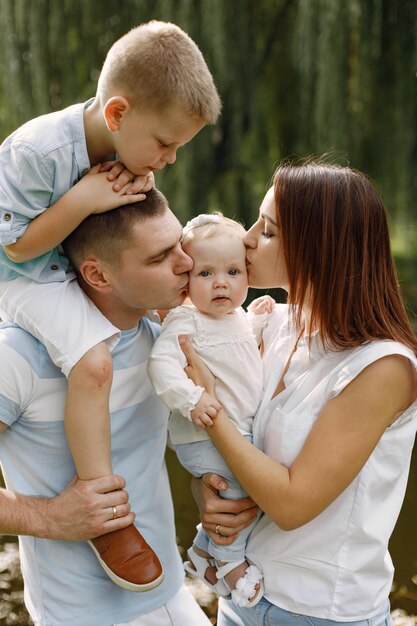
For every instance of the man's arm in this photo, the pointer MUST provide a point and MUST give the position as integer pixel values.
(82, 511)
(228, 516)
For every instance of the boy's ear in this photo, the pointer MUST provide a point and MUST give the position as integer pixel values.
(94, 275)
(114, 111)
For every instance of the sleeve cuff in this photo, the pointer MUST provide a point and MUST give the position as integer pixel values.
(198, 392)
(11, 227)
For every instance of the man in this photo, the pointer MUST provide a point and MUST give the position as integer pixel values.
(128, 260)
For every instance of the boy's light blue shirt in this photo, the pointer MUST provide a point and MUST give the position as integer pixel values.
(39, 163)
(64, 583)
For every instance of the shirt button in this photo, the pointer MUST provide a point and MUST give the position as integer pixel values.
(54, 267)
(7, 217)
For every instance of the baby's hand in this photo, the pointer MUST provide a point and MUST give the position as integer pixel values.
(264, 304)
(122, 176)
(205, 410)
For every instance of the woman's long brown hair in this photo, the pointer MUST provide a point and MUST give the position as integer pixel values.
(336, 245)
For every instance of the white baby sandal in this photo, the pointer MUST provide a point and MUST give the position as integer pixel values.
(198, 565)
(245, 594)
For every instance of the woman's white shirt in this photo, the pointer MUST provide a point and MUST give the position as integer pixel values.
(337, 566)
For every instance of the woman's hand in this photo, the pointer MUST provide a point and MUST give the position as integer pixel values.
(196, 369)
(227, 516)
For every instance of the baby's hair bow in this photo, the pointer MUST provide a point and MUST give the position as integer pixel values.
(201, 220)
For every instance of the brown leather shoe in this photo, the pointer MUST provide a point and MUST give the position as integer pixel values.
(128, 560)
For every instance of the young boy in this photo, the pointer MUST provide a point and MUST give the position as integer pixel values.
(154, 94)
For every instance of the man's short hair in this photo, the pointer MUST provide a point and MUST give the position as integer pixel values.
(106, 235)
(157, 65)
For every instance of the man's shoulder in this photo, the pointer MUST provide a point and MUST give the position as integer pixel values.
(25, 353)
(13, 334)
(15, 341)
(151, 325)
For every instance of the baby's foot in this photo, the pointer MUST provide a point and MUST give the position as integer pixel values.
(244, 581)
(201, 565)
(211, 570)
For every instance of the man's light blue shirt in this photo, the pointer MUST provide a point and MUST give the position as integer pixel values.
(64, 583)
(39, 163)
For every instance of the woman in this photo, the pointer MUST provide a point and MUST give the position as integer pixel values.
(337, 422)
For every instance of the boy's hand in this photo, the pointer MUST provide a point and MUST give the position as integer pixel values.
(149, 182)
(205, 410)
(264, 304)
(94, 193)
(121, 176)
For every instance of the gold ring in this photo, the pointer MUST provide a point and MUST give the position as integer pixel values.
(216, 530)
(114, 512)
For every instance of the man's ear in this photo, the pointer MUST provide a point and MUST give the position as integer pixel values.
(94, 275)
(114, 111)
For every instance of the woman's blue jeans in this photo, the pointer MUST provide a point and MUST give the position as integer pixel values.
(267, 614)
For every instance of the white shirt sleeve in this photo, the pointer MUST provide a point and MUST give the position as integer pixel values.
(258, 324)
(166, 365)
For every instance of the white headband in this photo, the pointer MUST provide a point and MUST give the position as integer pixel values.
(200, 220)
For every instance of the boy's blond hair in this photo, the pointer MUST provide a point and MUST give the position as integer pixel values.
(208, 225)
(157, 65)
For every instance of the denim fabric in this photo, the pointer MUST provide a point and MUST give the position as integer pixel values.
(201, 457)
(267, 614)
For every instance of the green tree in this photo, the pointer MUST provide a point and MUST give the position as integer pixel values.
(297, 77)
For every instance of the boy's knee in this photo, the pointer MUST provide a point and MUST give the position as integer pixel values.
(94, 368)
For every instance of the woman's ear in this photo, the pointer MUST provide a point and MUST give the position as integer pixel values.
(94, 275)
(114, 111)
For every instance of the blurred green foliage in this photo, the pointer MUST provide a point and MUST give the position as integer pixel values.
(297, 77)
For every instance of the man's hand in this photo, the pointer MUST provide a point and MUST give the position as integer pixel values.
(123, 177)
(228, 516)
(205, 410)
(85, 509)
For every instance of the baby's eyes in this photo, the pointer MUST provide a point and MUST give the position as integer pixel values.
(232, 272)
(266, 234)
